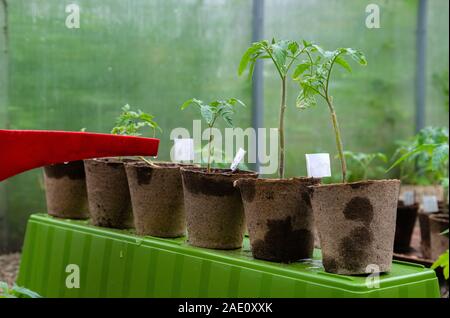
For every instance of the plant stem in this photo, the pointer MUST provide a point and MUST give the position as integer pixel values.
(281, 128)
(337, 133)
(208, 169)
(147, 161)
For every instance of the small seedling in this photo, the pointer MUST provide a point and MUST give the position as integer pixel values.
(16, 292)
(212, 111)
(314, 78)
(130, 123)
(284, 54)
(361, 165)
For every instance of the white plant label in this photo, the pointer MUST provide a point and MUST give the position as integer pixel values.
(318, 165)
(237, 159)
(430, 204)
(408, 198)
(184, 149)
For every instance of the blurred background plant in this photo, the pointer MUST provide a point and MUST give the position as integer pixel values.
(423, 160)
(364, 166)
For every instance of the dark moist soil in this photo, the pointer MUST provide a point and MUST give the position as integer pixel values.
(199, 181)
(351, 253)
(404, 227)
(296, 243)
(9, 267)
(74, 170)
(279, 217)
(65, 190)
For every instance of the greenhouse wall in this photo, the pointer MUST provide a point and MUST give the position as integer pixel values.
(156, 54)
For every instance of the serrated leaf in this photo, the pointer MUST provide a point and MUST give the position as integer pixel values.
(207, 114)
(300, 69)
(279, 55)
(342, 62)
(293, 47)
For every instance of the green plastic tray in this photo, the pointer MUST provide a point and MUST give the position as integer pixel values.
(117, 263)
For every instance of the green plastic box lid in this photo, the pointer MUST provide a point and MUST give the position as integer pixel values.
(118, 263)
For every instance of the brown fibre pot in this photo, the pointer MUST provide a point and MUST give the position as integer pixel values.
(279, 217)
(404, 226)
(108, 194)
(214, 211)
(356, 224)
(157, 198)
(439, 243)
(65, 190)
(425, 232)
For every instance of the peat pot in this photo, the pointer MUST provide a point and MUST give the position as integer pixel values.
(279, 217)
(438, 242)
(157, 198)
(425, 228)
(404, 226)
(108, 194)
(214, 211)
(65, 190)
(356, 225)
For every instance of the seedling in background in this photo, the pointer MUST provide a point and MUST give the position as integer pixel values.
(212, 111)
(314, 78)
(131, 123)
(284, 54)
(363, 164)
(424, 160)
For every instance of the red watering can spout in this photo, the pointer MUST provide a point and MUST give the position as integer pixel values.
(22, 150)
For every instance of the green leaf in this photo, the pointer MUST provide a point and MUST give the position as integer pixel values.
(426, 148)
(279, 54)
(440, 157)
(250, 55)
(356, 55)
(442, 261)
(342, 62)
(300, 69)
(324, 53)
(207, 114)
(21, 292)
(234, 101)
(186, 104)
(293, 47)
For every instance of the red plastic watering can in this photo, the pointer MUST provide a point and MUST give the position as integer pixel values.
(22, 150)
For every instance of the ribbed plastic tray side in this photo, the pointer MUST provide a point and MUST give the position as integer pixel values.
(118, 264)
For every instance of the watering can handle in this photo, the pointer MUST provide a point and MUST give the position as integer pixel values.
(22, 150)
